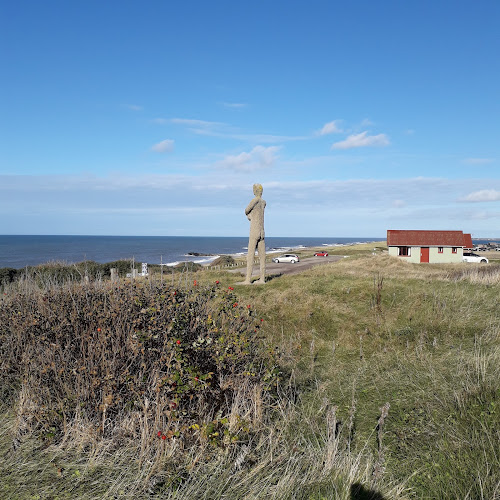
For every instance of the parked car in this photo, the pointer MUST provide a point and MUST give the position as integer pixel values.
(474, 257)
(321, 254)
(287, 257)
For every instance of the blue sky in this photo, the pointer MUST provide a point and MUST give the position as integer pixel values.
(156, 118)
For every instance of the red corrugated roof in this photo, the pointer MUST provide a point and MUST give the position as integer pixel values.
(403, 237)
(468, 241)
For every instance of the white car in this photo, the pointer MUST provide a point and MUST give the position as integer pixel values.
(287, 257)
(474, 257)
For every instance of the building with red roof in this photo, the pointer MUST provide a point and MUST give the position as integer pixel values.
(428, 246)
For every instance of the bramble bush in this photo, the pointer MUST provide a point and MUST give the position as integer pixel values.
(140, 359)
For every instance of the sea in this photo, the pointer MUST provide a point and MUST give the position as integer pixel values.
(18, 251)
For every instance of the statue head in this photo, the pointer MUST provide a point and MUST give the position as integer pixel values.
(257, 189)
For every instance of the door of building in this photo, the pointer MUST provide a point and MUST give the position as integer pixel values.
(424, 254)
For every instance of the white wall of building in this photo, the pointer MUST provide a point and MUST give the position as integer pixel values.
(447, 256)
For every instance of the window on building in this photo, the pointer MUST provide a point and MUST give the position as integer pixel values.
(454, 250)
(404, 251)
(440, 249)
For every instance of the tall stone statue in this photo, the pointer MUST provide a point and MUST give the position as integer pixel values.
(255, 214)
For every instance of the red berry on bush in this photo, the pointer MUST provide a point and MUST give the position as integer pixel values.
(178, 342)
(163, 437)
(159, 433)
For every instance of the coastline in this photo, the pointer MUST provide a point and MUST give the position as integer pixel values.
(21, 251)
(241, 256)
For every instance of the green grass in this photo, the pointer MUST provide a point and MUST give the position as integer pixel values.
(428, 347)
(349, 337)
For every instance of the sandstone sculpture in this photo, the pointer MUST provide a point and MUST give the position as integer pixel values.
(255, 214)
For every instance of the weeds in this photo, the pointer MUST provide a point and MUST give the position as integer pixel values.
(141, 362)
(323, 430)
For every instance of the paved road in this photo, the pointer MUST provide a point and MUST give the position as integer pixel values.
(298, 267)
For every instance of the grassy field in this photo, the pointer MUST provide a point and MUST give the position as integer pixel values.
(383, 383)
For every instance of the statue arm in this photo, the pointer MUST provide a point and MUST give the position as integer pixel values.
(251, 206)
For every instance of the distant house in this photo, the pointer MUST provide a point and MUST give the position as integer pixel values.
(428, 246)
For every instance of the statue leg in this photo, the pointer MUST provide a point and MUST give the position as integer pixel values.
(250, 258)
(262, 259)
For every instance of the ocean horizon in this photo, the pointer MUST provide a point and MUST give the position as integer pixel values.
(18, 251)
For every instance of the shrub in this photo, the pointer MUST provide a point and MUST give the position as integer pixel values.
(60, 272)
(223, 260)
(123, 267)
(140, 358)
(8, 275)
(187, 266)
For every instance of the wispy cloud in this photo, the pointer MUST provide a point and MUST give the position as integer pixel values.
(263, 138)
(483, 195)
(234, 105)
(331, 128)
(259, 157)
(357, 207)
(366, 122)
(478, 161)
(196, 123)
(225, 131)
(160, 121)
(362, 140)
(134, 107)
(165, 146)
(482, 215)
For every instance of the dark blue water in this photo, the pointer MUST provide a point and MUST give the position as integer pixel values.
(21, 251)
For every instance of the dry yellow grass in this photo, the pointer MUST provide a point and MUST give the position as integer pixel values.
(351, 337)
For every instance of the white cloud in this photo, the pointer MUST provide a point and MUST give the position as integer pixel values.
(477, 161)
(165, 146)
(331, 128)
(355, 207)
(259, 157)
(362, 140)
(483, 195)
(366, 122)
